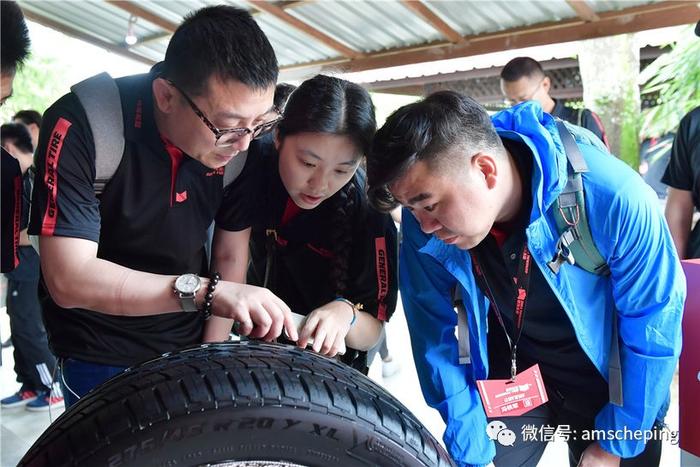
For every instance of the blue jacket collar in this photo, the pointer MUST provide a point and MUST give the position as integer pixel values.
(538, 131)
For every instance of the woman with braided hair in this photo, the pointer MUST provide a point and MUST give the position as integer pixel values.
(314, 240)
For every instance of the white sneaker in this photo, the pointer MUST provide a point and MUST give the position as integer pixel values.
(390, 368)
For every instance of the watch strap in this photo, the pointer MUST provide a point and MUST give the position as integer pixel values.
(187, 303)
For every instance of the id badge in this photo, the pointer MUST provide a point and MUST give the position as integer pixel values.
(511, 398)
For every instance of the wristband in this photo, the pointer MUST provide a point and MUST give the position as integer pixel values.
(354, 307)
(209, 296)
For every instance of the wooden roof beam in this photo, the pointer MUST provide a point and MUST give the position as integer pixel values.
(583, 10)
(433, 19)
(140, 12)
(279, 13)
(287, 4)
(633, 19)
(69, 31)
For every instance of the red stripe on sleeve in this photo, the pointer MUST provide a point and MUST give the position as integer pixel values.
(53, 154)
(602, 130)
(16, 218)
(382, 276)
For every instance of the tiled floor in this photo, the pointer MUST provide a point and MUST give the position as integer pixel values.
(19, 428)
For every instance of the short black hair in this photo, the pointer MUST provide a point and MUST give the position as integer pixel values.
(325, 104)
(282, 93)
(521, 67)
(28, 117)
(14, 42)
(17, 134)
(424, 131)
(220, 40)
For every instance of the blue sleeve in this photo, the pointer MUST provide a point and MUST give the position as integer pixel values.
(649, 291)
(447, 386)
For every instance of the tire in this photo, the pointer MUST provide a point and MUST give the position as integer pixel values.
(238, 404)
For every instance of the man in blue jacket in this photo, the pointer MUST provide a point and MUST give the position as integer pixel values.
(481, 193)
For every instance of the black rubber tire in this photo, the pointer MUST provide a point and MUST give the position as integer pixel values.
(236, 402)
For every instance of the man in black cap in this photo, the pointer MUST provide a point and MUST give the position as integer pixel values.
(682, 177)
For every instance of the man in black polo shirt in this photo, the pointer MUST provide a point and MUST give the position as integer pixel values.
(120, 270)
(683, 179)
(15, 49)
(522, 79)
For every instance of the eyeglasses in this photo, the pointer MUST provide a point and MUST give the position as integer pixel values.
(512, 102)
(229, 136)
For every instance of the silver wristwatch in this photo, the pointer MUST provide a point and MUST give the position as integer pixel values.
(186, 287)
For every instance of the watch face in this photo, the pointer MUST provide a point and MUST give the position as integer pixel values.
(187, 283)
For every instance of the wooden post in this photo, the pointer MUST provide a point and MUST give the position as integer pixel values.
(609, 72)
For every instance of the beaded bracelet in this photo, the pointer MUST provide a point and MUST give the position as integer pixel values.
(353, 306)
(209, 296)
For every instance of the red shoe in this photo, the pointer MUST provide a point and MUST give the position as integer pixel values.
(18, 399)
(44, 402)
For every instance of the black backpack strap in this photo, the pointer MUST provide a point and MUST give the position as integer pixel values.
(271, 249)
(462, 327)
(99, 96)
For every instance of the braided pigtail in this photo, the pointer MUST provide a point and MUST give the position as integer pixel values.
(341, 237)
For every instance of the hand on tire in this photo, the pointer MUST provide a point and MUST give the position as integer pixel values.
(259, 312)
(328, 325)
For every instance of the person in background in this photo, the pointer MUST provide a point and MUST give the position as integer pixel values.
(282, 93)
(14, 47)
(34, 363)
(523, 79)
(32, 119)
(314, 240)
(683, 179)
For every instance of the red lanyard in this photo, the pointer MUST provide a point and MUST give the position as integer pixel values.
(522, 283)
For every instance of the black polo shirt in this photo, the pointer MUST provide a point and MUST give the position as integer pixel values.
(28, 268)
(548, 337)
(582, 117)
(11, 210)
(301, 266)
(683, 171)
(152, 216)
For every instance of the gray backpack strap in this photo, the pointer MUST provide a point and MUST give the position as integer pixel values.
(231, 172)
(615, 367)
(576, 245)
(234, 168)
(99, 96)
(462, 327)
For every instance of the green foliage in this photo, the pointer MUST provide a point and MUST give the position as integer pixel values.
(629, 141)
(37, 85)
(676, 77)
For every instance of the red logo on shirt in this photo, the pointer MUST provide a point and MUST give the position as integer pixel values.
(219, 171)
(382, 276)
(139, 114)
(53, 154)
(181, 197)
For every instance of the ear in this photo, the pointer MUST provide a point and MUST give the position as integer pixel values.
(164, 95)
(10, 147)
(546, 84)
(485, 164)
